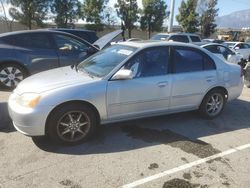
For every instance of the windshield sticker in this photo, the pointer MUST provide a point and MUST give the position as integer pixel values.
(124, 52)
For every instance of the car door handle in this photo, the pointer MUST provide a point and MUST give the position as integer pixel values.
(162, 84)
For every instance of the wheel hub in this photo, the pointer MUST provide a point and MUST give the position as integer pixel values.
(11, 76)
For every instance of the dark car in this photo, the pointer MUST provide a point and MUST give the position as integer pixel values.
(87, 35)
(28, 52)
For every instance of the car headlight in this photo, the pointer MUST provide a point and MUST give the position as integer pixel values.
(28, 99)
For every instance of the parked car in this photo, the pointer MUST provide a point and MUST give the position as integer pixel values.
(213, 41)
(28, 52)
(122, 82)
(247, 75)
(241, 47)
(178, 37)
(224, 53)
(89, 36)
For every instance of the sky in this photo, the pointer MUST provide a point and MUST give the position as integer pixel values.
(225, 6)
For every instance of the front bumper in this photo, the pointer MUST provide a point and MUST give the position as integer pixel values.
(29, 121)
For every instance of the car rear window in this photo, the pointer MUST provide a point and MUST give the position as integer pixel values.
(160, 37)
(179, 38)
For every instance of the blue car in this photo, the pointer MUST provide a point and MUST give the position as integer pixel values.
(24, 53)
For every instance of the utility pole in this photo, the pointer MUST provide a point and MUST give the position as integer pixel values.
(171, 16)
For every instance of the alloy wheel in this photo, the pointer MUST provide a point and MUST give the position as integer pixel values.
(73, 126)
(214, 104)
(11, 76)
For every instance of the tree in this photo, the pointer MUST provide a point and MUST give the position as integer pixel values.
(29, 12)
(109, 16)
(92, 12)
(188, 17)
(127, 10)
(4, 17)
(208, 12)
(153, 15)
(66, 12)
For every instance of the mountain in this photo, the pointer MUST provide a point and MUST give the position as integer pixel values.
(235, 20)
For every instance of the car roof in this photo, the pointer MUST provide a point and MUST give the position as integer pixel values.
(66, 29)
(155, 43)
(179, 33)
(32, 31)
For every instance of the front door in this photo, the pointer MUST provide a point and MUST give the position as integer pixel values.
(70, 50)
(149, 90)
(193, 74)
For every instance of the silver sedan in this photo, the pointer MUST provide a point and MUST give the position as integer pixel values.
(125, 81)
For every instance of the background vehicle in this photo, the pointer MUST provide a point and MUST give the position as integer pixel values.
(213, 41)
(247, 75)
(28, 52)
(178, 37)
(124, 81)
(89, 36)
(241, 47)
(224, 52)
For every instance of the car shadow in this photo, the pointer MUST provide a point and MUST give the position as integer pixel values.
(6, 125)
(182, 130)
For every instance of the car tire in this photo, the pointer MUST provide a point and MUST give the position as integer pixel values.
(213, 104)
(11, 74)
(72, 124)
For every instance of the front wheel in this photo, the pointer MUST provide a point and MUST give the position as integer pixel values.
(72, 124)
(212, 104)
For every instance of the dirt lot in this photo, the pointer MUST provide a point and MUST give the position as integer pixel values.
(180, 150)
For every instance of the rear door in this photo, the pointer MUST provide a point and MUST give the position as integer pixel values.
(70, 50)
(194, 72)
(244, 49)
(36, 50)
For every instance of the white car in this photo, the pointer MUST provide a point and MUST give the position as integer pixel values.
(224, 52)
(241, 47)
(122, 82)
(178, 37)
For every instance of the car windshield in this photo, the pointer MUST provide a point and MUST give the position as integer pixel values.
(103, 62)
(229, 44)
(160, 37)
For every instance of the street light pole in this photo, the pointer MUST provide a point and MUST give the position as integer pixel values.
(171, 16)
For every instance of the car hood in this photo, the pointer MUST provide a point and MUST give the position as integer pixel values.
(53, 79)
(106, 39)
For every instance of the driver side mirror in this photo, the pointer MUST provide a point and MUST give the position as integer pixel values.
(237, 48)
(91, 50)
(123, 74)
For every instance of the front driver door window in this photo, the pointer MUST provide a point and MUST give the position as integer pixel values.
(70, 50)
(148, 91)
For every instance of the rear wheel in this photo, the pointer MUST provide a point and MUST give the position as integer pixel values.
(72, 124)
(11, 74)
(212, 104)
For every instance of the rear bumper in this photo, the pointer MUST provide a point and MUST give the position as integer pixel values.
(235, 91)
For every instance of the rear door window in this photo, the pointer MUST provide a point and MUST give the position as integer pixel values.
(191, 60)
(32, 40)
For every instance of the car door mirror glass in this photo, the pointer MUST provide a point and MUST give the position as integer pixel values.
(237, 48)
(91, 50)
(123, 74)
